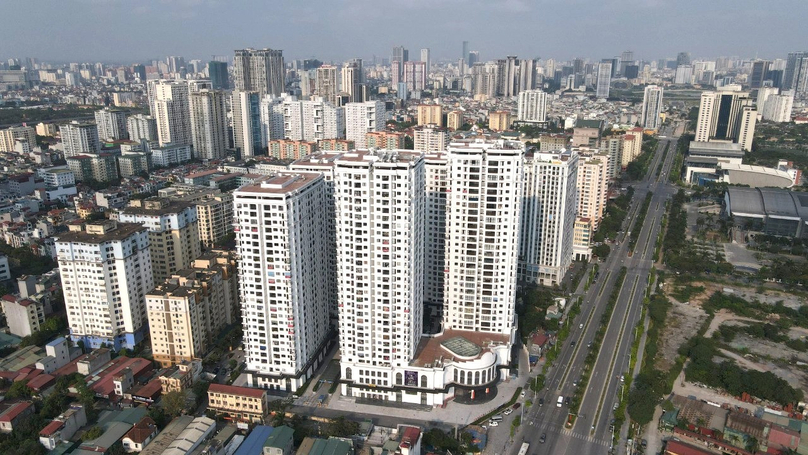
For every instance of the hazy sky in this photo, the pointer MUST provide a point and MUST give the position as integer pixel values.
(137, 30)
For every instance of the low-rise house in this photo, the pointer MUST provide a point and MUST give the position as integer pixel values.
(238, 403)
(11, 414)
(140, 435)
(280, 441)
(63, 427)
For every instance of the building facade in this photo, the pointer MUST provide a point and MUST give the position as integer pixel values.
(532, 106)
(208, 124)
(259, 70)
(549, 206)
(430, 139)
(79, 138)
(652, 107)
(106, 272)
(281, 222)
(363, 118)
(111, 124)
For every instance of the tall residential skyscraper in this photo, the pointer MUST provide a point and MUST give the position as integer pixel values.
(172, 112)
(726, 115)
(652, 107)
(363, 118)
(425, 57)
(604, 79)
(219, 78)
(532, 106)
(325, 84)
(79, 138)
(549, 205)
(353, 81)
(796, 71)
(259, 70)
(683, 59)
(593, 184)
(465, 53)
(105, 269)
(430, 139)
(414, 75)
(141, 126)
(778, 107)
(173, 232)
(111, 124)
(248, 135)
(280, 222)
(209, 124)
(310, 120)
(9, 136)
(482, 235)
(380, 261)
(626, 59)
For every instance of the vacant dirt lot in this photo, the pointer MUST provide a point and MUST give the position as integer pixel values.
(683, 322)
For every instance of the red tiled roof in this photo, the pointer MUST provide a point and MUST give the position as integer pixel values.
(675, 447)
(41, 381)
(142, 430)
(15, 410)
(51, 428)
(235, 390)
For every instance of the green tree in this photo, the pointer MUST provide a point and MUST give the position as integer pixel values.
(601, 251)
(19, 389)
(342, 427)
(174, 403)
(93, 433)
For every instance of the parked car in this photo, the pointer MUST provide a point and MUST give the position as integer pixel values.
(543, 438)
(493, 424)
(517, 406)
(541, 401)
(508, 411)
(522, 395)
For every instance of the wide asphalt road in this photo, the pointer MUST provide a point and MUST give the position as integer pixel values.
(591, 432)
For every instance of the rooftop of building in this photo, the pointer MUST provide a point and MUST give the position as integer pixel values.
(236, 390)
(10, 411)
(282, 183)
(120, 232)
(395, 157)
(323, 159)
(167, 436)
(156, 206)
(142, 430)
(462, 344)
(332, 446)
(254, 442)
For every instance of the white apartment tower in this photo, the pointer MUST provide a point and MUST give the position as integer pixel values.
(280, 222)
(532, 106)
(111, 124)
(272, 121)
(604, 80)
(209, 124)
(312, 120)
(548, 216)
(430, 139)
(80, 138)
(141, 126)
(248, 129)
(171, 112)
(325, 83)
(436, 168)
(380, 262)
(483, 215)
(106, 272)
(363, 118)
(652, 107)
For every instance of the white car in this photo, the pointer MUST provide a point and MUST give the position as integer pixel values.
(493, 424)
(508, 411)
(522, 395)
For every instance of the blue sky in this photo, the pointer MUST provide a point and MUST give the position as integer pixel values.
(136, 30)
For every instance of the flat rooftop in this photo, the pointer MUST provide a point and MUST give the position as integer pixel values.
(461, 344)
(281, 183)
(123, 231)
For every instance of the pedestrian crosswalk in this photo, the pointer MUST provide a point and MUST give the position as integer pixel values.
(586, 437)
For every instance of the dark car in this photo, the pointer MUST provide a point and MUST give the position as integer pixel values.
(517, 405)
(572, 343)
(567, 401)
(543, 438)
(541, 401)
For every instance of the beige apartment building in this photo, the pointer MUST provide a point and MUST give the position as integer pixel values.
(215, 218)
(430, 114)
(173, 232)
(593, 184)
(188, 310)
(239, 403)
(384, 140)
(499, 121)
(454, 120)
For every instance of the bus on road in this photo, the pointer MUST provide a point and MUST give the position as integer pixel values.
(523, 450)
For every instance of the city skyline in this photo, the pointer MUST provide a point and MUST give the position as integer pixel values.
(336, 31)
